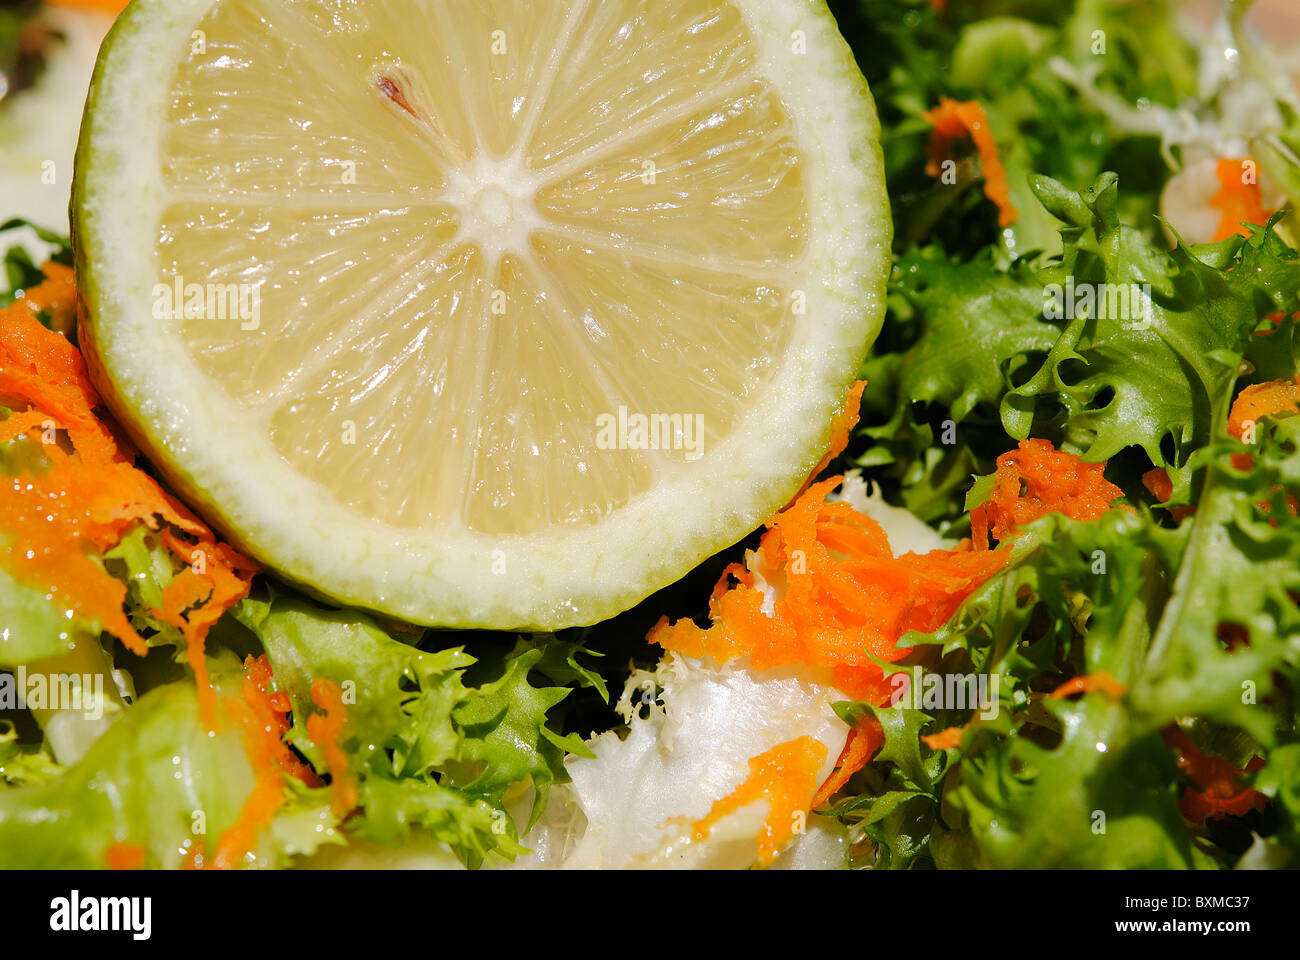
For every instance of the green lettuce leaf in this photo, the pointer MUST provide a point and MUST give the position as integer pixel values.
(1241, 567)
(155, 779)
(1160, 379)
(22, 765)
(471, 827)
(957, 337)
(1055, 783)
(431, 750)
(32, 626)
(505, 734)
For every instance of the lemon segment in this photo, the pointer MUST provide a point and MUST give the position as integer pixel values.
(498, 314)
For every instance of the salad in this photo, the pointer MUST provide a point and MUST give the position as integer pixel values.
(1035, 607)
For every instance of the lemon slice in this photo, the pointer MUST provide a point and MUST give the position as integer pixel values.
(483, 314)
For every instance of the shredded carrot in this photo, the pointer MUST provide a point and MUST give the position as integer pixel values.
(196, 857)
(1157, 481)
(1162, 488)
(847, 598)
(865, 738)
(1275, 322)
(946, 739)
(55, 295)
(1239, 200)
(272, 709)
(1197, 806)
(954, 120)
(1100, 681)
(734, 571)
(786, 777)
(90, 495)
(841, 428)
(325, 729)
(1216, 789)
(1036, 480)
(263, 715)
(1255, 402)
(124, 856)
(195, 600)
(1261, 400)
(113, 7)
(262, 747)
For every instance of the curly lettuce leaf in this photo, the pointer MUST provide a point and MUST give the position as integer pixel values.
(1089, 782)
(1102, 796)
(1240, 569)
(899, 810)
(958, 335)
(1052, 782)
(1280, 782)
(979, 324)
(155, 779)
(428, 748)
(1159, 377)
(471, 827)
(978, 355)
(505, 733)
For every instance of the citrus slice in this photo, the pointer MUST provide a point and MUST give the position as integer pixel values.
(486, 314)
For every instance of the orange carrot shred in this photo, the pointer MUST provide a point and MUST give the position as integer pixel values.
(107, 6)
(865, 738)
(1052, 482)
(1255, 402)
(1100, 681)
(262, 747)
(954, 120)
(57, 295)
(1239, 198)
(1261, 400)
(1216, 790)
(272, 709)
(1161, 487)
(195, 856)
(89, 495)
(325, 729)
(785, 776)
(1157, 481)
(196, 599)
(736, 570)
(847, 598)
(946, 739)
(263, 716)
(124, 856)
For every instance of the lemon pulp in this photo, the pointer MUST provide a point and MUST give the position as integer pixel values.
(475, 229)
